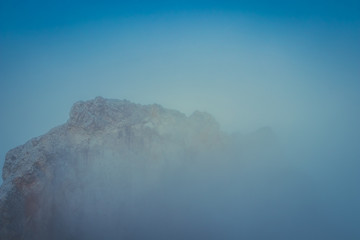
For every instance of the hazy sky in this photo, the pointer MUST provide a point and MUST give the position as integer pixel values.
(292, 65)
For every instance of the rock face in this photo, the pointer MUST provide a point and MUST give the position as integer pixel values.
(98, 169)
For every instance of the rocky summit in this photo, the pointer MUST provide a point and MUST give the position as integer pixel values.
(100, 170)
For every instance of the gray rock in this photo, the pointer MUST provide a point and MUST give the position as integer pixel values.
(55, 180)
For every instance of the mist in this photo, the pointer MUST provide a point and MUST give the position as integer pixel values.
(290, 70)
(250, 186)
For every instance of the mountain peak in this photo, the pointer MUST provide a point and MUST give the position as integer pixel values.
(108, 154)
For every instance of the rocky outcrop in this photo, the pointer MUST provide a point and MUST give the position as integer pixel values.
(108, 155)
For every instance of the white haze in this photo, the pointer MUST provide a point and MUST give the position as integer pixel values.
(300, 79)
(253, 187)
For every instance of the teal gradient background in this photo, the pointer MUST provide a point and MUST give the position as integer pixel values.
(291, 65)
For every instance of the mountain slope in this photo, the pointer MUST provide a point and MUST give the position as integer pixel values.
(109, 152)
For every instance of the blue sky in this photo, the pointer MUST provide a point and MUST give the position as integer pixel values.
(292, 65)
